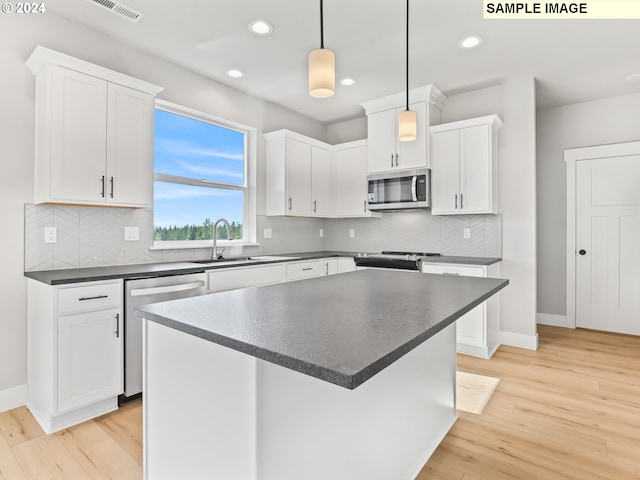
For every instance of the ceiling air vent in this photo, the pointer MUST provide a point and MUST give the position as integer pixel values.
(119, 9)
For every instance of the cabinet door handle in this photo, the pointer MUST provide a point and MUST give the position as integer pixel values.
(365, 206)
(456, 205)
(315, 206)
(82, 299)
(102, 182)
(326, 268)
(461, 199)
(289, 203)
(396, 159)
(392, 160)
(111, 182)
(117, 325)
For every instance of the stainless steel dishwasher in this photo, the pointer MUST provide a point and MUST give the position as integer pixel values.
(144, 291)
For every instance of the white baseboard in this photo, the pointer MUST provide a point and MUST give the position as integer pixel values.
(13, 398)
(530, 342)
(551, 320)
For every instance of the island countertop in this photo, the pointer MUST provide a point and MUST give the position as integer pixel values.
(342, 328)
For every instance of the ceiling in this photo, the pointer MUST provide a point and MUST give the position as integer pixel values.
(572, 60)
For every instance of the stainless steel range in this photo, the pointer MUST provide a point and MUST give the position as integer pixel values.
(388, 259)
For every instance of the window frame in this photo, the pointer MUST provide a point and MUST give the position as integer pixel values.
(248, 187)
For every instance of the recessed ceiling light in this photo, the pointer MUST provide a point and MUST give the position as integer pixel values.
(260, 27)
(347, 82)
(235, 73)
(634, 77)
(470, 42)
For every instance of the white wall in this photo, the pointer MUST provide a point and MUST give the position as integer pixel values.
(19, 35)
(612, 120)
(514, 102)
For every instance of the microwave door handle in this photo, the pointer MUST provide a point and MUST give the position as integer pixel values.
(414, 193)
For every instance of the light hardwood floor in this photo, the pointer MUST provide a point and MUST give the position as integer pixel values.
(570, 410)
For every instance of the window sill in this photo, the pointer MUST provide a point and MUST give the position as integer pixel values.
(184, 246)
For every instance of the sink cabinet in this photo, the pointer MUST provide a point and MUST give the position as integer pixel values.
(241, 277)
(464, 167)
(477, 331)
(75, 368)
(94, 134)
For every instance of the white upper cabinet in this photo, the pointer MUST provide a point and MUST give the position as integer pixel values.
(322, 201)
(299, 176)
(464, 167)
(351, 179)
(94, 133)
(386, 152)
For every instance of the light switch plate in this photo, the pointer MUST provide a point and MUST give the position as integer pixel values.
(268, 233)
(466, 233)
(50, 235)
(131, 234)
(321, 232)
(352, 233)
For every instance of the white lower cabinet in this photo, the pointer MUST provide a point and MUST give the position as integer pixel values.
(478, 330)
(306, 269)
(241, 277)
(75, 367)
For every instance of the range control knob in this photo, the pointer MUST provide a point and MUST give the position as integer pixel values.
(582, 252)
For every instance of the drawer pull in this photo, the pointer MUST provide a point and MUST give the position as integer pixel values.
(97, 297)
(307, 269)
(450, 273)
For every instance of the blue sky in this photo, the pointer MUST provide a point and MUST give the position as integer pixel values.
(190, 148)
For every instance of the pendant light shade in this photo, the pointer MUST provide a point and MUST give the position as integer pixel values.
(322, 67)
(407, 126)
(322, 73)
(407, 120)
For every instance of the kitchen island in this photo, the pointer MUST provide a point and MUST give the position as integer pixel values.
(343, 377)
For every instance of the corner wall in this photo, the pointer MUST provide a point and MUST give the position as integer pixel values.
(514, 102)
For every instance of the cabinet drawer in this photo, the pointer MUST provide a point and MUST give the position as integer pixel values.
(465, 271)
(299, 270)
(89, 297)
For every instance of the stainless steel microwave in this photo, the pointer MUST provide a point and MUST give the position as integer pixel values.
(399, 190)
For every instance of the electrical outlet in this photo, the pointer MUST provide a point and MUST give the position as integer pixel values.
(321, 232)
(268, 233)
(131, 234)
(352, 233)
(466, 233)
(50, 235)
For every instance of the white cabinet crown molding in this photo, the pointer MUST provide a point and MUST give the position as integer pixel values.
(493, 120)
(43, 56)
(428, 93)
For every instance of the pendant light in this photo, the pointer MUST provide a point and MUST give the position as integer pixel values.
(322, 68)
(407, 120)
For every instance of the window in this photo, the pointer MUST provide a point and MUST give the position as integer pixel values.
(201, 170)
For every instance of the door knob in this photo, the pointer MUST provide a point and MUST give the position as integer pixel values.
(582, 252)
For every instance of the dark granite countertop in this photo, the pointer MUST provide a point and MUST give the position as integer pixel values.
(340, 328)
(76, 275)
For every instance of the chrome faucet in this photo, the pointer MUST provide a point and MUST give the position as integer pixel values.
(214, 251)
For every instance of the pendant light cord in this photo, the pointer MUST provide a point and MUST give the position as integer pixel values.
(407, 88)
(321, 26)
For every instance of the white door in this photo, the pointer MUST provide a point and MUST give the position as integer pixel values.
(607, 242)
(445, 172)
(351, 181)
(129, 147)
(381, 127)
(321, 182)
(89, 358)
(475, 169)
(298, 177)
(413, 154)
(78, 136)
